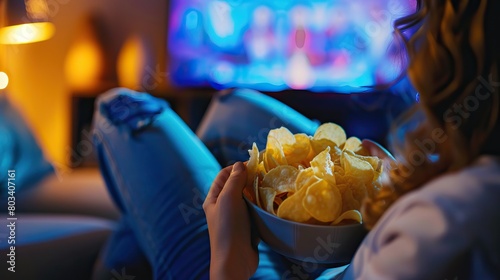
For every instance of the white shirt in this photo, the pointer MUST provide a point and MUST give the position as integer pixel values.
(448, 229)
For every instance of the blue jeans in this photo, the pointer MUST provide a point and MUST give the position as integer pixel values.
(158, 173)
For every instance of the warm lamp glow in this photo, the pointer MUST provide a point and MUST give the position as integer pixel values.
(4, 80)
(26, 33)
(131, 63)
(84, 62)
(83, 65)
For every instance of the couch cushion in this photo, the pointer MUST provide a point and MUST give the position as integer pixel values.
(53, 247)
(19, 150)
(39, 228)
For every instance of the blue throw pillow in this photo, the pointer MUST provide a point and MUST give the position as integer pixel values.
(19, 151)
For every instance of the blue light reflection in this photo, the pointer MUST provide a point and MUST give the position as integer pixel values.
(341, 45)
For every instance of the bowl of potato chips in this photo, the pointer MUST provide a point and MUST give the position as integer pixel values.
(305, 193)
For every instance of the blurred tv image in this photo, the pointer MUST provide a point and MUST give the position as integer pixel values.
(324, 46)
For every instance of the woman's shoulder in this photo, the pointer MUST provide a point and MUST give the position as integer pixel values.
(467, 196)
(474, 187)
(461, 203)
(484, 171)
(424, 230)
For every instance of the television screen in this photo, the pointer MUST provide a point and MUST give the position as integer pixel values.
(319, 45)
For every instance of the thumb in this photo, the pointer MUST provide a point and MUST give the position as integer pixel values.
(236, 181)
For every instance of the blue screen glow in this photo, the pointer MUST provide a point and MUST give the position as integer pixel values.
(336, 45)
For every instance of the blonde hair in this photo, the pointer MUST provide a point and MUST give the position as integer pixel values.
(454, 59)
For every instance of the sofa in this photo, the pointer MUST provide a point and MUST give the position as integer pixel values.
(60, 218)
(74, 223)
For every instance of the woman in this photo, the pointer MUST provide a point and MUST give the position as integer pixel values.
(438, 218)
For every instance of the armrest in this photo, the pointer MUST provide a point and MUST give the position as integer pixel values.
(79, 191)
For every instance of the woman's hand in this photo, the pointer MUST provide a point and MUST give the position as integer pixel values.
(232, 254)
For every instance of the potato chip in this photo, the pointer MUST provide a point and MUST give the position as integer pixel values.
(353, 144)
(357, 167)
(338, 170)
(322, 166)
(321, 179)
(343, 179)
(274, 154)
(356, 185)
(319, 145)
(269, 161)
(267, 196)
(261, 169)
(292, 208)
(348, 200)
(261, 155)
(305, 177)
(359, 192)
(278, 200)
(322, 201)
(298, 151)
(283, 135)
(256, 191)
(281, 178)
(336, 154)
(312, 153)
(252, 164)
(374, 161)
(351, 215)
(332, 132)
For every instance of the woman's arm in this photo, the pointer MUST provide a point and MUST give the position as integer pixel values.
(232, 254)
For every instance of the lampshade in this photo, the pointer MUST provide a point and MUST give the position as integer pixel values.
(25, 21)
(4, 80)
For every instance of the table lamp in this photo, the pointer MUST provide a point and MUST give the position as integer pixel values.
(25, 21)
